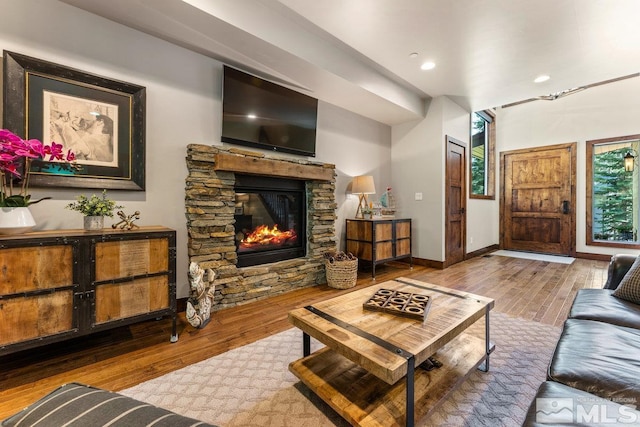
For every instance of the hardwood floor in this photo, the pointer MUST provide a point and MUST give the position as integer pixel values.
(124, 357)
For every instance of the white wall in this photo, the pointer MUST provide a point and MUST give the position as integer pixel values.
(356, 146)
(183, 106)
(418, 162)
(600, 112)
(418, 158)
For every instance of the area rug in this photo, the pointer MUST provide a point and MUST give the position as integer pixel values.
(535, 256)
(252, 386)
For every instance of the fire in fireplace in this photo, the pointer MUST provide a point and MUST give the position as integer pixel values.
(270, 219)
(265, 236)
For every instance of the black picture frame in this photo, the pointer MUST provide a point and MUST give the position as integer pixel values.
(29, 81)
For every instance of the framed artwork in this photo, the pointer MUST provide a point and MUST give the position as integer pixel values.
(101, 120)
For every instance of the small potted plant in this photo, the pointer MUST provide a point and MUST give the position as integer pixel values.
(94, 209)
(367, 211)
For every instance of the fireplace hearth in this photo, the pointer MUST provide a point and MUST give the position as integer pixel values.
(219, 187)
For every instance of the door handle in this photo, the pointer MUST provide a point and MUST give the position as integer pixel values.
(565, 207)
(461, 211)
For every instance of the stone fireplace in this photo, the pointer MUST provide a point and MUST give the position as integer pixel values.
(218, 207)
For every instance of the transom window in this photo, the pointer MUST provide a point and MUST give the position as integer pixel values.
(613, 214)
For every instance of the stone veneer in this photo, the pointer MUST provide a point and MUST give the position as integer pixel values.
(210, 205)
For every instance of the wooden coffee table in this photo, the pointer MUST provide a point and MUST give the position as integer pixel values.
(368, 353)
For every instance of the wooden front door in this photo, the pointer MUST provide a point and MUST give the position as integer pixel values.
(455, 201)
(538, 199)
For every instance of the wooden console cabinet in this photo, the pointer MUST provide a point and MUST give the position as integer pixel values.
(379, 240)
(56, 285)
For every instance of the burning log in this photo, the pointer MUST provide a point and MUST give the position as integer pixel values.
(264, 235)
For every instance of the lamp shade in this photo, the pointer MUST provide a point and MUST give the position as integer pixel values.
(363, 185)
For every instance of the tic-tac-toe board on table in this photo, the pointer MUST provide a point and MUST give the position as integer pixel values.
(414, 306)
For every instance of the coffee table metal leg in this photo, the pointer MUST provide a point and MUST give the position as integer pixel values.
(409, 413)
(489, 346)
(306, 344)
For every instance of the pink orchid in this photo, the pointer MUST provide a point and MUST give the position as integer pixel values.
(16, 155)
(11, 168)
(8, 136)
(7, 157)
(54, 151)
(36, 147)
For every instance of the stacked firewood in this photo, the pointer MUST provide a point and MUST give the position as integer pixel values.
(339, 256)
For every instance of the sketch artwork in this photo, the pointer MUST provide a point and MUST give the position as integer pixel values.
(202, 292)
(88, 127)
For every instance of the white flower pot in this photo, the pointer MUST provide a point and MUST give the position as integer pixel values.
(93, 222)
(16, 220)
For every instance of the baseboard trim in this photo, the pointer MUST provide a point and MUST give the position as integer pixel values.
(429, 263)
(595, 257)
(482, 251)
(441, 265)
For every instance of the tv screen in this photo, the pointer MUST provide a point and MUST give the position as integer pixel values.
(262, 114)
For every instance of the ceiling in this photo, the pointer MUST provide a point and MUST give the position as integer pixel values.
(356, 53)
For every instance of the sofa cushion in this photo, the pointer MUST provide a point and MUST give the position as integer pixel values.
(601, 305)
(629, 287)
(598, 358)
(558, 404)
(80, 405)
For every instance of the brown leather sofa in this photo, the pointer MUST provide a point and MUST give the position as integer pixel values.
(594, 373)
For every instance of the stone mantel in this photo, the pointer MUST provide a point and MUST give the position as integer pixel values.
(210, 206)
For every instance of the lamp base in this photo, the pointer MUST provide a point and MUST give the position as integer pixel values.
(362, 204)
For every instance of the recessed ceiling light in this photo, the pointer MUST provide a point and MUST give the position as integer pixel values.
(413, 55)
(542, 78)
(428, 65)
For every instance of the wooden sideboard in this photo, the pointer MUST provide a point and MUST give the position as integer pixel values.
(379, 240)
(60, 284)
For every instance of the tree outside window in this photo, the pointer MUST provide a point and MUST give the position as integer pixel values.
(482, 163)
(612, 211)
(479, 133)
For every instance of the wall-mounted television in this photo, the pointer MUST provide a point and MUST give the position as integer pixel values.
(258, 113)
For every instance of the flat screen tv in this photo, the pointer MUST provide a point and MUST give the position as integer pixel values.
(261, 114)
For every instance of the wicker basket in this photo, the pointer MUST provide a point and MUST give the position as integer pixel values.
(342, 274)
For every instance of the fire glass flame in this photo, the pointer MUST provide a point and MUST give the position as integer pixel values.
(264, 235)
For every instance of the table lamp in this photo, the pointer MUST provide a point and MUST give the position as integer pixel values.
(362, 185)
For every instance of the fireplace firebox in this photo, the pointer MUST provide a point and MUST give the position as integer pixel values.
(270, 215)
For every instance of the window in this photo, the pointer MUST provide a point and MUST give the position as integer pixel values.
(613, 192)
(482, 164)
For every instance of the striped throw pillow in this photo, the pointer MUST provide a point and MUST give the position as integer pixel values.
(629, 287)
(79, 405)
